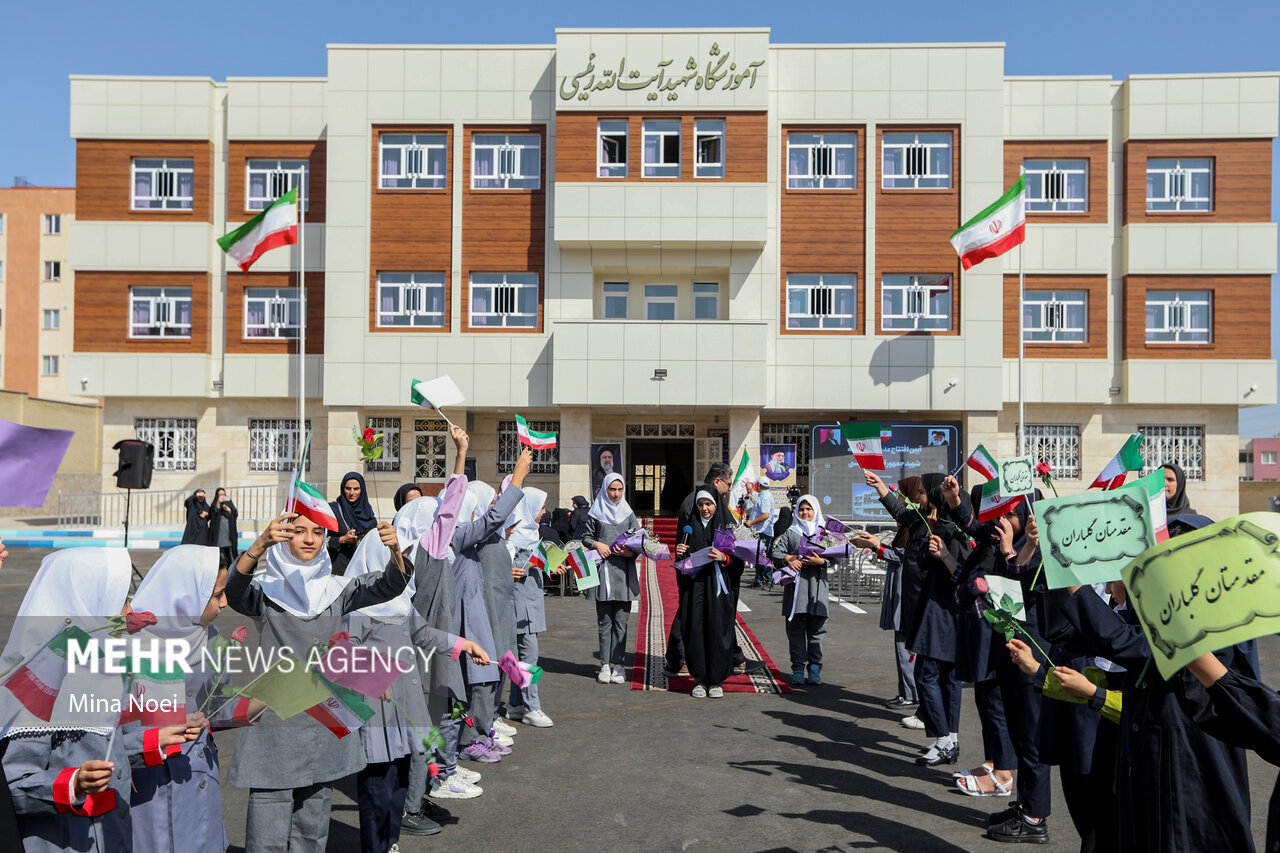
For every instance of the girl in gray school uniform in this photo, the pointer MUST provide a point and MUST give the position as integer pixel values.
(804, 602)
(67, 797)
(609, 518)
(500, 604)
(530, 610)
(290, 766)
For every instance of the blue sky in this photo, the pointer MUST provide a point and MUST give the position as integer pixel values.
(46, 42)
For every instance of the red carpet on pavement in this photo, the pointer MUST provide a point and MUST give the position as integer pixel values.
(658, 601)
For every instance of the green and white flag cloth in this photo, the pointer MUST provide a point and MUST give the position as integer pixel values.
(534, 439)
(995, 230)
(272, 228)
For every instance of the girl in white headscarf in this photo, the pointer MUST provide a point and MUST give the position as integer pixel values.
(804, 602)
(609, 518)
(531, 612)
(708, 609)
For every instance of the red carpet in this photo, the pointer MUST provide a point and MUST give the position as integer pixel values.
(658, 601)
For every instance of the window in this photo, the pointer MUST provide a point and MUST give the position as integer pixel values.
(430, 453)
(53, 270)
(1, 223)
(1181, 445)
(789, 433)
(1268, 457)
(708, 148)
(390, 458)
(917, 161)
(1179, 317)
(52, 318)
(163, 184)
(911, 303)
(1057, 186)
(411, 299)
(1180, 184)
(1, 270)
(267, 180)
(53, 223)
(274, 445)
(611, 160)
(1055, 317)
(706, 300)
(1057, 444)
(159, 312)
(412, 161)
(822, 161)
(822, 301)
(662, 149)
(174, 440)
(504, 299)
(660, 301)
(271, 312)
(505, 162)
(616, 295)
(49, 365)
(509, 446)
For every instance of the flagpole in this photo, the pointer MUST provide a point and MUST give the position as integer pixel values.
(1022, 344)
(302, 313)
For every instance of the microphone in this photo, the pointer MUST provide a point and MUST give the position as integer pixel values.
(684, 533)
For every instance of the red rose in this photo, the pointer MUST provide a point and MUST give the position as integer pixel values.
(239, 634)
(980, 584)
(368, 433)
(340, 638)
(1043, 469)
(469, 721)
(433, 770)
(137, 620)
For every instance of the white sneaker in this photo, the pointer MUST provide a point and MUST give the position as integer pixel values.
(912, 722)
(618, 677)
(606, 675)
(504, 729)
(716, 693)
(467, 775)
(537, 719)
(502, 739)
(698, 692)
(454, 788)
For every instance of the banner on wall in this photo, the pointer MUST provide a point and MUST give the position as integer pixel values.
(606, 459)
(778, 463)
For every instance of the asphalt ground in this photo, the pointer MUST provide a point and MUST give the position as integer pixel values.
(826, 768)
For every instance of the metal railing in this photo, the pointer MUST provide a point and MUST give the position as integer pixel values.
(164, 508)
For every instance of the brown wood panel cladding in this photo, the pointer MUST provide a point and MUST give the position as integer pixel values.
(236, 284)
(104, 175)
(1241, 316)
(503, 230)
(102, 311)
(411, 230)
(1095, 347)
(824, 231)
(746, 146)
(240, 152)
(1094, 151)
(1241, 179)
(914, 227)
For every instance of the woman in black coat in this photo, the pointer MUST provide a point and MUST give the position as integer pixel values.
(197, 529)
(355, 519)
(223, 534)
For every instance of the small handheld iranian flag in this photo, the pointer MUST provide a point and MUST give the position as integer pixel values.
(982, 462)
(995, 230)
(157, 697)
(521, 674)
(309, 503)
(584, 569)
(1154, 484)
(546, 557)
(864, 441)
(435, 394)
(272, 228)
(994, 504)
(343, 712)
(1128, 459)
(534, 439)
(36, 683)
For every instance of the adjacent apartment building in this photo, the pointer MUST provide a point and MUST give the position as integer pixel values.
(678, 244)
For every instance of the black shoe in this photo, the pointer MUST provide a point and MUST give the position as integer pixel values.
(897, 703)
(1002, 816)
(950, 755)
(1018, 830)
(418, 824)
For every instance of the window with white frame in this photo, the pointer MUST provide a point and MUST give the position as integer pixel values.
(1057, 186)
(509, 447)
(267, 180)
(53, 270)
(271, 312)
(163, 183)
(390, 458)
(49, 365)
(1, 223)
(1179, 317)
(174, 440)
(159, 312)
(789, 433)
(616, 296)
(911, 303)
(411, 300)
(274, 444)
(52, 318)
(661, 148)
(430, 448)
(822, 161)
(1180, 183)
(822, 301)
(53, 223)
(504, 300)
(660, 301)
(1056, 444)
(708, 148)
(412, 161)
(505, 161)
(1180, 445)
(1055, 317)
(916, 161)
(611, 156)
(1268, 457)
(706, 300)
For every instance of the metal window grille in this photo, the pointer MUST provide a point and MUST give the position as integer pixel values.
(412, 161)
(1180, 445)
(659, 430)
(430, 448)
(789, 433)
(1057, 186)
(390, 459)
(544, 461)
(1056, 444)
(174, 440)
(273, 444)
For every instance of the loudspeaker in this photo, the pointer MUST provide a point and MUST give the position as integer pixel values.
(469, 468)
(136, 460)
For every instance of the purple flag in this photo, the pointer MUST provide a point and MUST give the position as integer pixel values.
(358, 668)
(508, 664)
(29, 457)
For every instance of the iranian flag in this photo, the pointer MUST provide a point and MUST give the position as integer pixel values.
(343, 712)
(864, 440)
(1128, 459)
(157, 697)
(994, 504)
(995, 230)
(272, 228)
(584, 568)
(534, 439)
(547, 557)
(36, 683)
(521, 674)
(982, 462)
(1154, 483)
(309, 503)
(742, 481)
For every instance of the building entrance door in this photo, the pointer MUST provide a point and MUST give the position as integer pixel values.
(660, 475)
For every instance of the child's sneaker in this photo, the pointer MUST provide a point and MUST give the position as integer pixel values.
(466, 775)
(503, 728)
(716, 692)
(606, 674)
(537, 719)
(815, 676)
(454, 788)
(797, 676)
(699, 692)
(477, 750)
(495, 747)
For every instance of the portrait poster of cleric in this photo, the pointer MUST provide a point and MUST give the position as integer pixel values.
(778, 463)
(606, 459)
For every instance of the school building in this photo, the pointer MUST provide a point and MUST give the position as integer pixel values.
(674, 245)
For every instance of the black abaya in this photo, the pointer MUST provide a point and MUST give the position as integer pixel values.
(197, 529)
(707, 616)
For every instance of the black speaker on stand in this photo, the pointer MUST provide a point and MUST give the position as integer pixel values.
(137, 458)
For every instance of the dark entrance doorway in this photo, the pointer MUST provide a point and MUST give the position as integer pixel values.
(661, 475)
